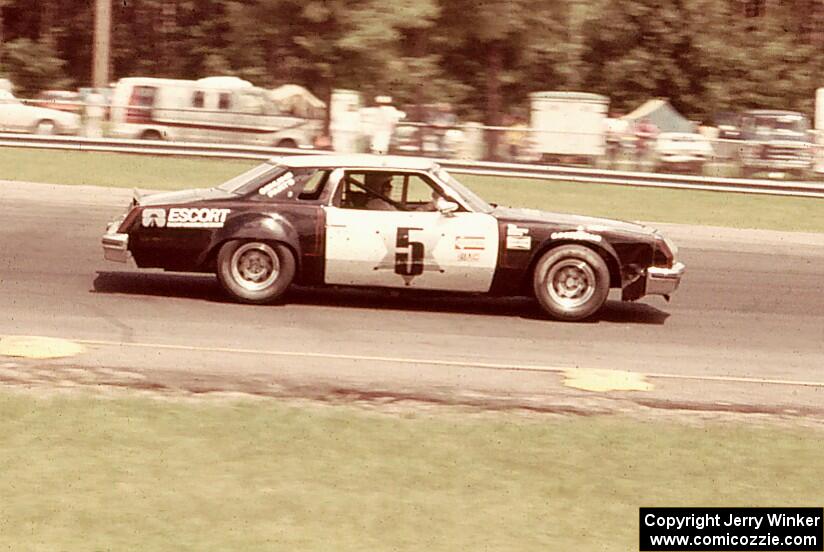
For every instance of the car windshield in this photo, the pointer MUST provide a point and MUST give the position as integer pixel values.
(475, 202)
(786, 126)
(7, 97)
(239, 184)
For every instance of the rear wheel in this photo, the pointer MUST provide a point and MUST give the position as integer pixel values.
(151, 135)
(571, 282)
(45, 128)
(255, 272)
(287, 143)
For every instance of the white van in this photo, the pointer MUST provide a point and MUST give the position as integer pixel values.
(212, 109)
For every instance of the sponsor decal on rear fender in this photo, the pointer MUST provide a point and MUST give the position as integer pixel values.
(154, 218)
(185, 217)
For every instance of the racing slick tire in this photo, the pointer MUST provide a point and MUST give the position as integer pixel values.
(571, 282)
(254, 271)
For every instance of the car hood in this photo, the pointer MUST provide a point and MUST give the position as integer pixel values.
(184, 197)
(593, 224)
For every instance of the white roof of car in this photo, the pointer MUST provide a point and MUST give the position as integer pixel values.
(356, 160)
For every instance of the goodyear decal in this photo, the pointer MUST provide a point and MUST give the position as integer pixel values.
(579, 234)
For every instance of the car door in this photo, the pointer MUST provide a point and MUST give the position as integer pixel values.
(12, 115)
(406, 246)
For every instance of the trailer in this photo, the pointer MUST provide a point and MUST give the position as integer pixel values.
(211, 109)
(569, 127)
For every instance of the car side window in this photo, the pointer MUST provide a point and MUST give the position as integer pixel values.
(198, 99)
(370, 190)
(420, 194)
(293, 184)
(224, 101)
(314, 185)
(386, 191)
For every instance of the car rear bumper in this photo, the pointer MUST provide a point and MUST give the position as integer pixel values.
(115, 246)
(664, 281)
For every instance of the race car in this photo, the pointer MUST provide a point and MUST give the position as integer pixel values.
(387, 222)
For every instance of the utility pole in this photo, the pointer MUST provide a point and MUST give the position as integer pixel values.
(102, 43)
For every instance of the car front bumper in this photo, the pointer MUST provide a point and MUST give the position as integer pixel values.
(664, 281)
(115, 245)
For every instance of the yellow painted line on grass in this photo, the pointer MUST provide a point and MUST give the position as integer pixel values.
(36, 347)
(612, 375)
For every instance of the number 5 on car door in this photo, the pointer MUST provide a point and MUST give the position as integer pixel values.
(402, 245)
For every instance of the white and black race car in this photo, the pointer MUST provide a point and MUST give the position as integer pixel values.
(390, 222)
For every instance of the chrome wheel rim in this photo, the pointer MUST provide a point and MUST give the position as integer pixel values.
(571, 283)
(255, 266)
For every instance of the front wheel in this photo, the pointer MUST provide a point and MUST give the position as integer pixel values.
(255, 272)
(571, 282)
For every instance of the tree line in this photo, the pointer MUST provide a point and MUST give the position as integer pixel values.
(482, 56)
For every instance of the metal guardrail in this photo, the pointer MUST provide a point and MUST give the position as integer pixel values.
(544, 172)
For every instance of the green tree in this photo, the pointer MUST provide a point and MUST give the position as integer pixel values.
(762, 62)
(704, 55)
(32, 66)
(503, 50)
(640, 49)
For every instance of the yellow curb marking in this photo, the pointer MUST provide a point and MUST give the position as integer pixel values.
(35, 347)
(605, 380)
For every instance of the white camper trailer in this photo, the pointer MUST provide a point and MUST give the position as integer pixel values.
(568, 126)
(212, 109)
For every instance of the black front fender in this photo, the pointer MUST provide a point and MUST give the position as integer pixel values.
(602, 247)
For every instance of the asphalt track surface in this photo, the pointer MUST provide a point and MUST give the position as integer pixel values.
(745, 332)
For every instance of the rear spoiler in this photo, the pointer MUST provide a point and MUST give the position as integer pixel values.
(136, 197)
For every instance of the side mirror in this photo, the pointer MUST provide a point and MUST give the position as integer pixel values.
(446, 207)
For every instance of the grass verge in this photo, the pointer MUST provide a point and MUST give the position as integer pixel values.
(88, 473)
(660, 205)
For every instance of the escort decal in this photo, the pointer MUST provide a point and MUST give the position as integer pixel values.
(182, 217)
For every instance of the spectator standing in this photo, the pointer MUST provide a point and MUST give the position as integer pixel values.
(645, 135)
(442, 121)
(385, 119)
(516, 138)
(95, 111)
(616, 131)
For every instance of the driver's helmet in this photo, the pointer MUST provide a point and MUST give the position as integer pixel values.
(379, 182)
